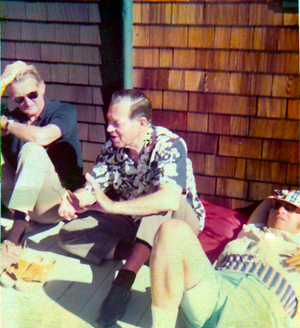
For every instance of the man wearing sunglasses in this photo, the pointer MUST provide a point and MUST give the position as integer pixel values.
(255, 283)
(40, 154)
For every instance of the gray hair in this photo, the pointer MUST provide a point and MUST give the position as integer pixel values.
(29, 72)
(140, 105)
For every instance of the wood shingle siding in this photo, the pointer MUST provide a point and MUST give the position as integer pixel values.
(62, 39)
(225, 76)
(222, 74)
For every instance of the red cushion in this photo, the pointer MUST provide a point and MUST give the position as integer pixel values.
(221, 226)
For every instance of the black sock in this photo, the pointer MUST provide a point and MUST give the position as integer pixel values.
(125, 278)
(17, 231)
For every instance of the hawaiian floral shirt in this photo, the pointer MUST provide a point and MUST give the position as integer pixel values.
(163, 159)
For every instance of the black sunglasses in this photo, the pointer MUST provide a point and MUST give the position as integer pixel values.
(288, 207)
(31, 95)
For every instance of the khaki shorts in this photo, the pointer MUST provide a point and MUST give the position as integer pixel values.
(228, 299)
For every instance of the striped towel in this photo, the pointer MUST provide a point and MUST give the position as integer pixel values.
(265, 273)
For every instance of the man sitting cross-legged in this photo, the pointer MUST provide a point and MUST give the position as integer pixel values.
(41, 153)
(254, 284)
(148, 170)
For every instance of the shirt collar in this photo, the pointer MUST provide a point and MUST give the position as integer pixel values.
(147, 147)
(150, 141)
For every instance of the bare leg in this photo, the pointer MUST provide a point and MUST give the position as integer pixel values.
(140, 255)
(178, 263)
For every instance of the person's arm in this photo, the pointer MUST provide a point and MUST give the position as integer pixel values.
(78, 202)
(4, 122)
(260, 214)
(42, 136)
(83, 199)
(170, 179)
(167, 198)
(10, 72)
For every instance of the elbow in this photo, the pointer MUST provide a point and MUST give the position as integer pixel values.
(173, 203)
(174, 206)
(171, 197)
(45, 143)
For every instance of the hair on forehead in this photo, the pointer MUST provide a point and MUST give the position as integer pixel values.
(29, 72)
(140, 105)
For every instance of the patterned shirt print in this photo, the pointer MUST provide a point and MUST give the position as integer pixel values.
(163, 159)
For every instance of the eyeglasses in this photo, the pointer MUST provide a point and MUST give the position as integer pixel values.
(31, 95)
(287, 206)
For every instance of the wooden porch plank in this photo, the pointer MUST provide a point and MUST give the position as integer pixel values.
(74, 291)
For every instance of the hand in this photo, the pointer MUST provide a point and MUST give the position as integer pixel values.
(104, 204)
(294, 260)
(3, 122)
(69, 206)
(10, 72)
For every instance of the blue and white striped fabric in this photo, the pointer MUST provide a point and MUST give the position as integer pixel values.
(265, 273)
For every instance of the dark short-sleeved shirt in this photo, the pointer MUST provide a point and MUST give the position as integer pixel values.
(64, 152)
(163, 159)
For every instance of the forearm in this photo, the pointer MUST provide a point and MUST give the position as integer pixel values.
(42, 136)
(167, 198)
(26, 132)
(260, 214)
(160, 201)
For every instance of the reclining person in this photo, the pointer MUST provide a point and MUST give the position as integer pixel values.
(255, 282)
(40, 155)
(148, 170)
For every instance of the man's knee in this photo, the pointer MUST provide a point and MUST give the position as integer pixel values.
(66, 233)
(33, 153)
(75, 230)
(87, 243)
(66, 240)
(70, 242)
(31, 146)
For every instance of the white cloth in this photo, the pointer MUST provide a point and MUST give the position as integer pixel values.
(271, 246)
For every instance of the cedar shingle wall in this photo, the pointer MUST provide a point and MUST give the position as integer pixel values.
(225, 76)
(63, 41)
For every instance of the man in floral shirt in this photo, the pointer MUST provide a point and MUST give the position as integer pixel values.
(141, 179)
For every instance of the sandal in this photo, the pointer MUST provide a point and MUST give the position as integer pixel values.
(13, 273)
(26, 275)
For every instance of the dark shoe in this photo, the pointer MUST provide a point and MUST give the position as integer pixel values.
(114, 306)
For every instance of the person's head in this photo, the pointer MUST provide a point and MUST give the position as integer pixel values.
(129, 116)
(27, 91)
(284, 212)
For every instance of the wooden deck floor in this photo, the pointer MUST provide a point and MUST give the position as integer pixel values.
(74, 291)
